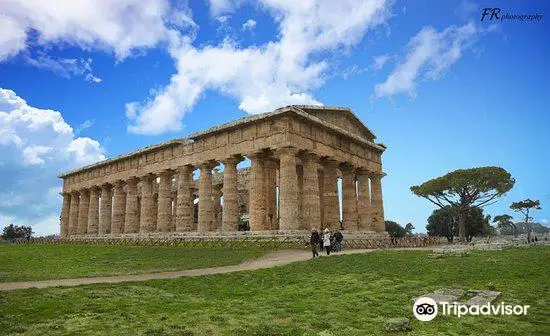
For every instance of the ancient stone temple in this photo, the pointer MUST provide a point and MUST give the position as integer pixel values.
(296, 156)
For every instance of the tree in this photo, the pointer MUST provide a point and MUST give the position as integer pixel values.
(12, 232)
(444, 222)
(504, 221)
(394, 229)
(408, 228)
(525, 206)
(465, 188)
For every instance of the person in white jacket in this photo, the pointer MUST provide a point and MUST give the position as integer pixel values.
(326, 240)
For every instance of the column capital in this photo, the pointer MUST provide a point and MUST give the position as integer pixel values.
(119, 183)
(105, 186)
(165, 172)
(329, 161)
(83, 191)
(309, 156)
(286, 150)
(346, 167)
(185, 168)
(210, 164)
(233, 159)
(95, 188)
(376, 175)
(362, 171)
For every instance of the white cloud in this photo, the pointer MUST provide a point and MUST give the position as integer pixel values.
(379, 62)
(218, 7)
(248, 25)
(36, 145)
(261, 78)
(85, 125)
(429, 54)
(121, 26)
(65, 67)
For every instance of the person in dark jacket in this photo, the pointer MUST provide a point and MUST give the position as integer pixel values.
(338, 237)
(313, 241)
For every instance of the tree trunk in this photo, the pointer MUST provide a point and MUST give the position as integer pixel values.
(461, 225)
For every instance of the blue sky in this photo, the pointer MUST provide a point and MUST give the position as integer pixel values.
(443, 90)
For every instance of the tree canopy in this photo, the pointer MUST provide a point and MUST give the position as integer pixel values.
(465, 188)
(444, 222)
(505, 221)
(11, 232)
(525, 207)
(394, 229)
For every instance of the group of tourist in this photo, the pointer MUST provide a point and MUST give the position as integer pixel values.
(326, 240)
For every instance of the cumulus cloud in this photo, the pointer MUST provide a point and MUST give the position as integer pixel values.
(121, 26)
(65, 67)
(378, 62)
(430, 53)
(280, 72)
(248, 25)
(36, 145)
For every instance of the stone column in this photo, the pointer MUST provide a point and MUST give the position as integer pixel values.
(321, 183)
(119, 207)
(364, 222)
(311, 204)
(206, 214)
(65, 214)
(73, 213)
(349, 199)
(131, 223)
(146, 221)
(230, 216)
(257, 210)
(300, 175)
(270, 176)
(288, 189)
(331, 202)
(106, 209)
(217, 208)
(164, 212)
(83, 211)
(93, 211)
(184, 210)
(377, 205)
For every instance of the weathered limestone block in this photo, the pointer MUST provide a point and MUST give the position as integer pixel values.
(131, 223)
(93, 211)
(83, 211)
(288, 189)
(119, 207)
(106, 209)
(377, 206)
(206, 205)
(349, 200)
(65, 214)
(164, 213)
(73, 213)
(146, 219)
(257, 193)
(331, 202)
(364, 222)
(184, 212)
(311, 206)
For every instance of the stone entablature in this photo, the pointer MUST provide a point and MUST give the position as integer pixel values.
(291, 148)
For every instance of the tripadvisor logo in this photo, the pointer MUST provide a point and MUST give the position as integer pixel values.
(426, 309)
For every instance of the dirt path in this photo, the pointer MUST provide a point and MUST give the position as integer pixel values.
(277, 258)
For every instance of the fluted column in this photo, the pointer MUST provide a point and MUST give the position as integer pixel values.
(288, 189)
(93, 211)
(230, 216)
(311, 206)
(106, 209)
(377, 205)
(164, 212)
(300, 175)
(270, 176)
(83, 211)
(349, 199)
(184, 210)
(119, 207)
(257, 210)
(73, 213)
(146, 221)
(65, 214)
(217, 208)
(321, 183)
(331, 217)
(206, 215)
(131, 223)
(364, 222)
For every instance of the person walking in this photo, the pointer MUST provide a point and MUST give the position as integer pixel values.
(338, 237)
(326, 240)
(313, 241)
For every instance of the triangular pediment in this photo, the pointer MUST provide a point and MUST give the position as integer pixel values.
(341, 117)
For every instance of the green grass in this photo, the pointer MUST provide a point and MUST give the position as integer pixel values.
(341, 295)
(44, 262)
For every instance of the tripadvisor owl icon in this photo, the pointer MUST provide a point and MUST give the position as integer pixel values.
(425, 309)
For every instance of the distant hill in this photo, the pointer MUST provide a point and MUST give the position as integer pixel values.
(524, 228)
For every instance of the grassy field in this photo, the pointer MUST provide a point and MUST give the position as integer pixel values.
(341, 295)
(44, 262)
